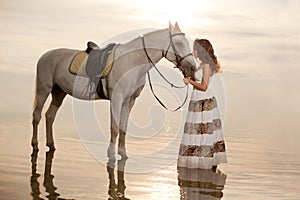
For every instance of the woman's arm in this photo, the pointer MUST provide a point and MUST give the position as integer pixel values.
(207, 72)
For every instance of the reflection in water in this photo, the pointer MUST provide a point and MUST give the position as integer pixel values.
(116, 191)
(48, 178)
(201, 184)
(34, 183)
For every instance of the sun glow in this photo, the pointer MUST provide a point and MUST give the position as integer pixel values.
(185, 12)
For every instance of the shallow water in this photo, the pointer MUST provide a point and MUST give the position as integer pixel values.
(255, 170)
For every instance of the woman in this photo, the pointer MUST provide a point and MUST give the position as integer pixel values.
(202, 144)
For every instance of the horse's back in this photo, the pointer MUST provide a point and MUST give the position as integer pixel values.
(56, 56)
(51, 62)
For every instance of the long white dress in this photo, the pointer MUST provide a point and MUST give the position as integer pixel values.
(202, 145)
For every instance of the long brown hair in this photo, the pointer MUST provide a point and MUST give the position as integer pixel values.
(206, 54)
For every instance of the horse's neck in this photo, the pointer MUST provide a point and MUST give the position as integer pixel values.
(155, 42)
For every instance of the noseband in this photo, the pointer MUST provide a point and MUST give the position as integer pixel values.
(178, 61)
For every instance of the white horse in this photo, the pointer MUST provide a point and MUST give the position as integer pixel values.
(122, 86)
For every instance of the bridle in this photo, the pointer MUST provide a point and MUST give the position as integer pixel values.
(178, 61)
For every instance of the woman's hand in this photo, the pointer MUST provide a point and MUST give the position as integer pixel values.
(187, 80)
(207, 72)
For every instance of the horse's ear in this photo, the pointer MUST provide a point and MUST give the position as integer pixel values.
(170, 26)
(177, 27)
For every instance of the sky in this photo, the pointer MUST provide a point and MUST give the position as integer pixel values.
(246, 34)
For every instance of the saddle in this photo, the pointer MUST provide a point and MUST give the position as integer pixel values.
(91, 46)
(97, 61)
(94, 63)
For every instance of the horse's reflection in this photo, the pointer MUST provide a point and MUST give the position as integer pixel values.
(201, 183)
(34, 183)
(116, 191)
(48, 178)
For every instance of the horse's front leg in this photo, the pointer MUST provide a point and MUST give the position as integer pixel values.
(126, 108)
(115, 113)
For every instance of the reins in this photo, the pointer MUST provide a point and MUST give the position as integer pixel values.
(178, 63)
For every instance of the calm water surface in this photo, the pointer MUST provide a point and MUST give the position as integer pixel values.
(256, 170)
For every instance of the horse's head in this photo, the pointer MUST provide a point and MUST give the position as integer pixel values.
(179, 52)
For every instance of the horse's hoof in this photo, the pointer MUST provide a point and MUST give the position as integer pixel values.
(111, 162)
(123, 154)
(51, 147)
(111, 156)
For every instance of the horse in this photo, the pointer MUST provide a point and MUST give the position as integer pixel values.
(122, 85)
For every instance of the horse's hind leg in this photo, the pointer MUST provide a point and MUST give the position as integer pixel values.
(58, 96)
(41, 95)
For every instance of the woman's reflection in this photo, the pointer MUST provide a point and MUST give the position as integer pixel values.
(116, 191)
(197, 184)
(48, 178)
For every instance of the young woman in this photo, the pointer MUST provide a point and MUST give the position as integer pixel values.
(202, 144)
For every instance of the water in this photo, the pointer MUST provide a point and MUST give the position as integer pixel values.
(256, 169)
(259, 57)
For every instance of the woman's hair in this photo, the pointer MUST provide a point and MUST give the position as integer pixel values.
(206, 54)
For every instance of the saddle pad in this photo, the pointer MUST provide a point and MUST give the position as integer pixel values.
(109, 62)
(77, 66)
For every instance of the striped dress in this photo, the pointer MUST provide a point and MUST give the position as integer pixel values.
(202, 145)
